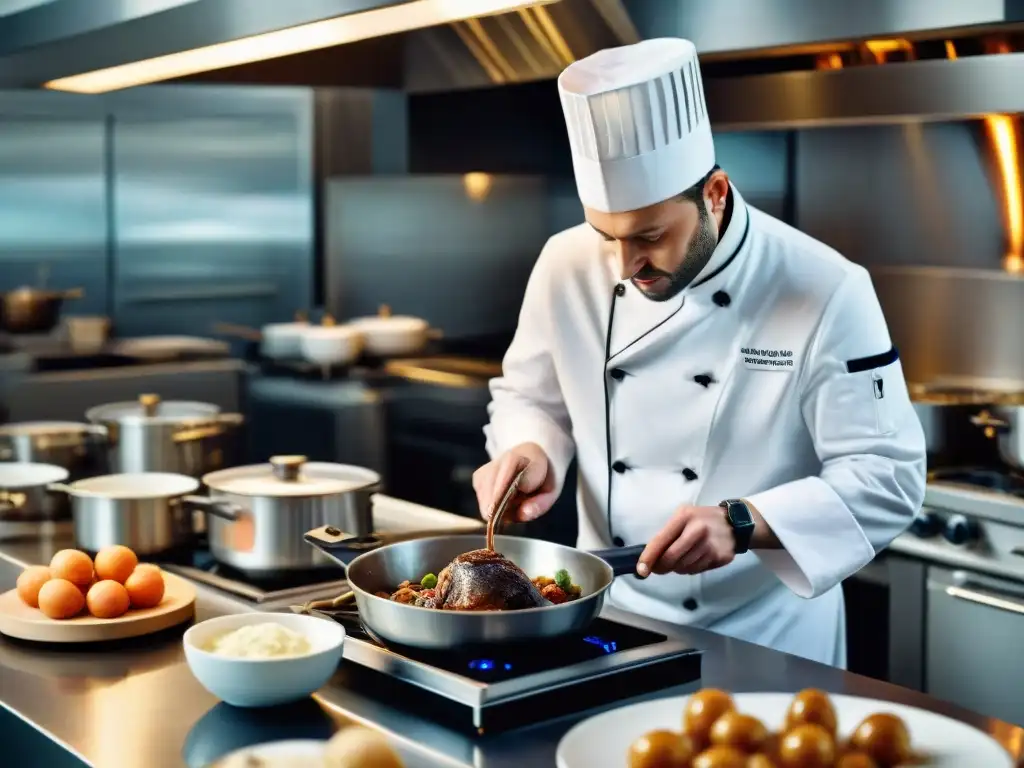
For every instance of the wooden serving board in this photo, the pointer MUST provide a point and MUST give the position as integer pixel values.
(26, 623)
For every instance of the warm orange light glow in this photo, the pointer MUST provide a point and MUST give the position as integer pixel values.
(950, 50)
(1002, 130)
(881, 49)
(477, 185)
(285, 42)
(829, 61)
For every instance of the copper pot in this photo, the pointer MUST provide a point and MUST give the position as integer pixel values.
(30, 310)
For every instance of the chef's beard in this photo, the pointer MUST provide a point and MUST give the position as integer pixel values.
(698, 254)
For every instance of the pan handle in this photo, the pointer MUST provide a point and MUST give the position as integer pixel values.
(623, 560)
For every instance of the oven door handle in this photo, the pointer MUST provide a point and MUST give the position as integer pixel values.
(984, 598)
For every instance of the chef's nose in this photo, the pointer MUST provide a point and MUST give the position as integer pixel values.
(630, 258)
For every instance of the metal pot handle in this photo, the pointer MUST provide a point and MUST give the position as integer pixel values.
(216, 507)
(992, 425)
(623, 560)
(215, 428)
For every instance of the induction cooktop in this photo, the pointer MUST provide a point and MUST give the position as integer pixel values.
(498, 688)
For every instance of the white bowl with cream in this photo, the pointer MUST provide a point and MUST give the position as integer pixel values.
(263, 659)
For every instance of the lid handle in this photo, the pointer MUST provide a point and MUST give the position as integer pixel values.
(287, 467)
(149, 403)
(328, 321)
(384, 311)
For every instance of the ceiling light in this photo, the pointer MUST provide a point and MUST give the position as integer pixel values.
(285, 42)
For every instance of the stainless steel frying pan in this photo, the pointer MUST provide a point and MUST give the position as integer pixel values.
(383, 569)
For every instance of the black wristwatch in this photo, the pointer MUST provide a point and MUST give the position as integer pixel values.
(742, 522)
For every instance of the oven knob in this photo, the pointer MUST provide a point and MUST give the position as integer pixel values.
(960, 530)
(926, 525)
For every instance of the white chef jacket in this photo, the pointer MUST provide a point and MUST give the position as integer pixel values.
(772, 378)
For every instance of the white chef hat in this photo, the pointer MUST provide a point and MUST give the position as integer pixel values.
(638, 125)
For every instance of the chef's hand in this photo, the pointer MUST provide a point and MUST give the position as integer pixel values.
(536, 489)
(695, 540)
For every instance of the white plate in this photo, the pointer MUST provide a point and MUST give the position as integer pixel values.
(604, 739)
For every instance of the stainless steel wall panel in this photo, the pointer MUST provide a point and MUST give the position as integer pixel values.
(53, 202)
(213, 212)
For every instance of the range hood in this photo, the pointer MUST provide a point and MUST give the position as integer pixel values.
(768, 63)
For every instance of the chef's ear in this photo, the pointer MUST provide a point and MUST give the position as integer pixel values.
(716, 191)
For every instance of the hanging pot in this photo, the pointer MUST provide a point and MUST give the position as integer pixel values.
(257, 515)
(141, 510)
(177, 436)
(78, 448)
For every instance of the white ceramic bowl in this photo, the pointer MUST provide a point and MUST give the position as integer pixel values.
(282, 341)
(393, 336)
(265, 682)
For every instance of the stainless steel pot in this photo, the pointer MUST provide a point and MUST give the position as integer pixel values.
(31, 310)
(1004, 423)
(78, 448)
(258, 514)
(150, 435)
(946, 414)
(141, 510)
(25, 495)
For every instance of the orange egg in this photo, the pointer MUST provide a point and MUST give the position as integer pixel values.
(30, 581)
(107, 599)
(115, 563)
(60, 599)
(72, 565)
(145, 587)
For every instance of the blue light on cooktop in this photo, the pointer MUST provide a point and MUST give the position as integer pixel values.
(608, 646)
(486, 665)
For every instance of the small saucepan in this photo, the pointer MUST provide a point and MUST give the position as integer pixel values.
(383, 569)
(393, 336)
(25, 494)
(331, 344)
(31, 310)
(141, 510)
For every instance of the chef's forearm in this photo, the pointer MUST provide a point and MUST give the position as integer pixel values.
(764, 537)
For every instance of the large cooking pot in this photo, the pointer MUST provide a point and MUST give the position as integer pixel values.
(383, 569)
(25, 495)
(78, 448)
(256, 515)
(31, 310)
(946, 414)
(1004, 424)
(141, 510)
(151, 435)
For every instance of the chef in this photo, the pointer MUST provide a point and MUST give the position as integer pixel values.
(727, 384)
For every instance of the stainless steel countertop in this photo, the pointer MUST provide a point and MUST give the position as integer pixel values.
(137, 704)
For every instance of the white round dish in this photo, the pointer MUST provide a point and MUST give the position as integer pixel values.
(604, 739)
(244, 682)
(331, 344)
(393, 336)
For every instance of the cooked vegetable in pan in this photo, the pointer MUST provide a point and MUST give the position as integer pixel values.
(551, 591)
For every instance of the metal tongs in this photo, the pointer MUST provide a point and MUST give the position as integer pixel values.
(503, 505)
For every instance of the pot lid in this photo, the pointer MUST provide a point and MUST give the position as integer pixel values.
(291, 476)
(150, 408)
(24, 475)
(45, 428)
(135, 485)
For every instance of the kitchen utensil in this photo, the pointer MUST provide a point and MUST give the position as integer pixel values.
(163, 348)
(283, 341)
(381, 570)
(25, 495)
(387, 335)
(78, 448)
(87, 334)
(141, 510)
(178, 436)
(33, 310)
(264, 682)
(946, 742)
(494, 523)
(257, 514)
(25, 623)
(330, 344)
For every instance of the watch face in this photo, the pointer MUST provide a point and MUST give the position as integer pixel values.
(739, 515)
